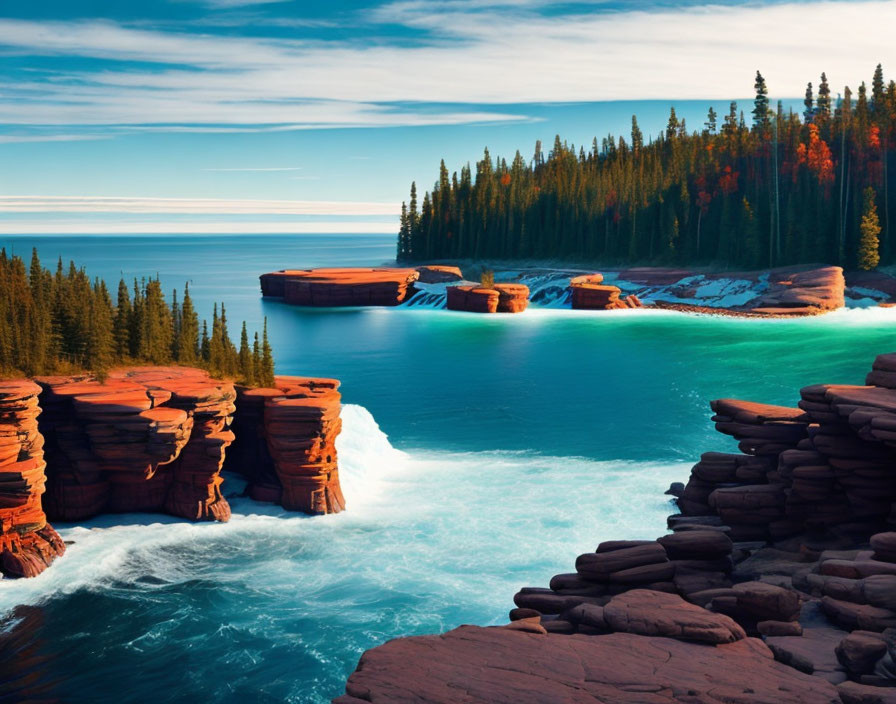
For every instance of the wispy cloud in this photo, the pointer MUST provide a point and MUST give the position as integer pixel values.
(51, 226)
(16, 138)
(190, 206)
(463, 52)
(259, 168)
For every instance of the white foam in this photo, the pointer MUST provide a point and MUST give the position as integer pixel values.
(463, 528)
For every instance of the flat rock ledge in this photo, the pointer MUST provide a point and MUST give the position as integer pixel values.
(502, 665)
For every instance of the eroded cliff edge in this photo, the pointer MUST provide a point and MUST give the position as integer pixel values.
(776, 584)
(155, 439)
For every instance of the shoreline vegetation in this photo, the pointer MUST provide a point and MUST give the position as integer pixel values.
(788, 189)
(63, 322)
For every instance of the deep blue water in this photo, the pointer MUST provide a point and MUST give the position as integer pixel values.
(514, 443)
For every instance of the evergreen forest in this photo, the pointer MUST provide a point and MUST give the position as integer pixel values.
(61, 322)
(769, 189)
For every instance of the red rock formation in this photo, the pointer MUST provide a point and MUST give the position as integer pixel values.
(792, 540)
(148, 439)
(28, 544)
(473, 299)
(803, 292)
(340, 287)
(438, 274)
(290, 456)
(503, 298)
(512, 298)
(588, 293)
(512, 665)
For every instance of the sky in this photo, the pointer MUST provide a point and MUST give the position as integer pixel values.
(249, 116)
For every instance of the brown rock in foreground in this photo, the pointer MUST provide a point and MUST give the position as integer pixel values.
(340, 287)
(28, 544)
(501, 665)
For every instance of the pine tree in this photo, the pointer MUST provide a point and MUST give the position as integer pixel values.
(868, 255)
(247, 369)
(266, 379)
(809, 102)
(824, 99)
(637, 136)
(256, 360)
(761, 120)
(122, 326)
(188, 342)
(711, 121)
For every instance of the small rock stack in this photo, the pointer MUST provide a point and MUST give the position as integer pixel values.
(28, 544)
(340, 287)
(588, 293)
(148, 439)
(803, 292)
(502, 298)
(289, 453)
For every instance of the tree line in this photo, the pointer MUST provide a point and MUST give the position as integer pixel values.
(786, 189)
(63, 322)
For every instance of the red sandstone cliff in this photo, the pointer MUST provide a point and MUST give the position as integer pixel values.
(154, 439)
(339, 287)
(286, 443)
(501, 298)
(28, 544)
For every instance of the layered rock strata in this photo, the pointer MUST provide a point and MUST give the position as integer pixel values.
(147, 439)
(340, 287)
(502, 298)
(787, 549)
(285, 445)
(802, 292)
(28, 544)
(589, 293)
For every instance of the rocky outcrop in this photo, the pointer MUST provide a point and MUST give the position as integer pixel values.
(502, 298)
(285, 445)
(147, 439)
(792, 541)
(589, 293)
(155, 439)
(439, 274)
(802, 292)
(513, 666)
(340, 287)
(28, 544)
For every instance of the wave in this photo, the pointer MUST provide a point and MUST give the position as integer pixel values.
(519, 510)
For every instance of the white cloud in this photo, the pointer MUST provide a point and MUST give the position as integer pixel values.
(259, 168)
(190, 206)
(52, 226)
(466, 51)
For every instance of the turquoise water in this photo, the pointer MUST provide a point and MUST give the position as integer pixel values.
(514, 443)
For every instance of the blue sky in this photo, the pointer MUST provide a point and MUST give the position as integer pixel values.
(250, 116)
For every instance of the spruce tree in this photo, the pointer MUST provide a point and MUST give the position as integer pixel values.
(761, 120)
(267, 359)
(188, 342)
(809, 102)
(869, 243)
(824, 98)
(247, 370)
(122, 325)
